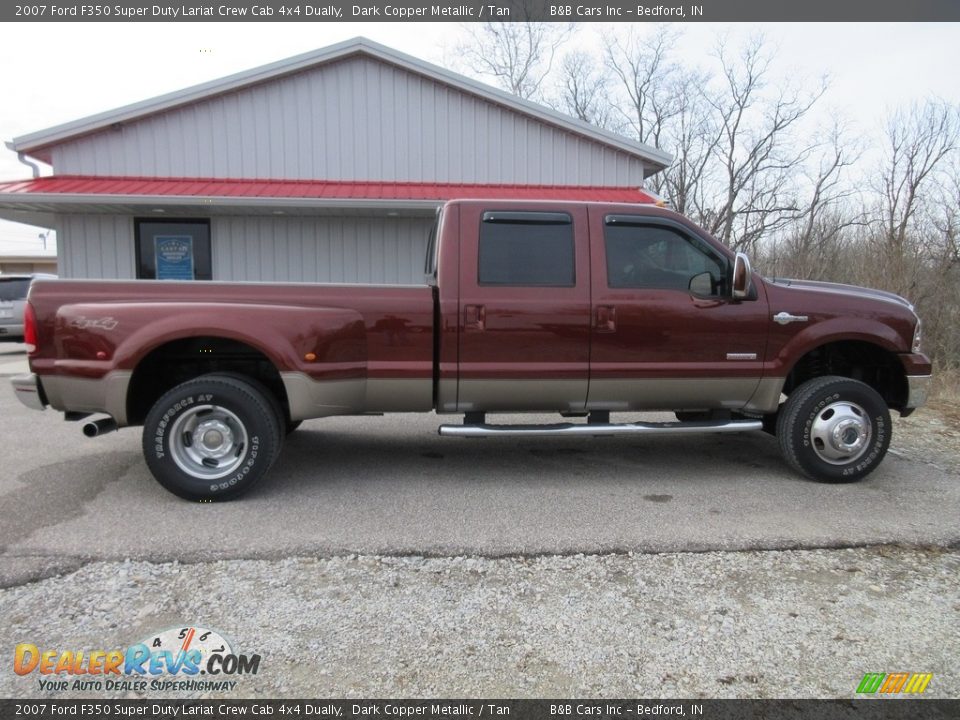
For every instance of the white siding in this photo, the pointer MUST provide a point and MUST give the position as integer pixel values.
(356, 119)
(96, 246)
(326, 249)
(271, 249)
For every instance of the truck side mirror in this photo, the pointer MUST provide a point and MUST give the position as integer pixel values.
(742, 275)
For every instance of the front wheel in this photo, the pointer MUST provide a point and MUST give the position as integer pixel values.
(211, 438)
(834, 429)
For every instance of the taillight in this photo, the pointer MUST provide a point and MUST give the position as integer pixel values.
(29, 328)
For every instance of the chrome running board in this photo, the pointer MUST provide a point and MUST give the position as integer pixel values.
(637, 428)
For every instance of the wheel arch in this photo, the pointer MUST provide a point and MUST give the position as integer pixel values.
(177, 360)
(864, 360)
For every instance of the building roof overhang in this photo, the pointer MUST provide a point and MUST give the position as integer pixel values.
(36, 201)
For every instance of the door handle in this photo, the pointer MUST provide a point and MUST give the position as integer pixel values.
(606, 319)
(474, 317)
(785, 318)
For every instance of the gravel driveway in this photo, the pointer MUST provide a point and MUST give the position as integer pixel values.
(728, 624)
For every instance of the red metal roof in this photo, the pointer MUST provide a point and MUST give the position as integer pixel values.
(105, 187)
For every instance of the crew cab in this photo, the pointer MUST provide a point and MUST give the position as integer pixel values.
(580, 309)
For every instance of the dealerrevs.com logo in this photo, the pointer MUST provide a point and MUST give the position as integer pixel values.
(894, 683)
(192, 659)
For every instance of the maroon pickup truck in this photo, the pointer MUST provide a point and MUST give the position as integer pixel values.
(581, 309)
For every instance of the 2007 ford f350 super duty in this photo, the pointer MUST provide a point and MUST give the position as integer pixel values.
(578, 308)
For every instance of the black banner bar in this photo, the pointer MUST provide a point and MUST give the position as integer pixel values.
(874, 709)
(489, 10)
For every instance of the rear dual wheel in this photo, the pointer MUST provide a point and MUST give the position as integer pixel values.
(212, 438)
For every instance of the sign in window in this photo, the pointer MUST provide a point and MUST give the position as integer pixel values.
(173, 250)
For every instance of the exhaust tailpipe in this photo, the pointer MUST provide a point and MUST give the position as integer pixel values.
(99, 427)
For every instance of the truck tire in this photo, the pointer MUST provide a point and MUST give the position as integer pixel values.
(211, 438)
(288, 426)
(834, 429)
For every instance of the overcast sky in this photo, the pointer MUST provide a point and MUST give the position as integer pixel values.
(57, 72)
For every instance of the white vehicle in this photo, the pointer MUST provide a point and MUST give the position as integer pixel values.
(13, 295)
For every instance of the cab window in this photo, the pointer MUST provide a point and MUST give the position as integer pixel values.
(526, 249)
(653, 256)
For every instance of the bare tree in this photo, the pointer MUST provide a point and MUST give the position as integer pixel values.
(811, 246)
(915, 218)
(756, 152)
(643, 66)
(939, 302)
(948, 224)
(519, 55)
(737, 157)
(663, 104)
(692, 137)
(918, 143)
(583, 91)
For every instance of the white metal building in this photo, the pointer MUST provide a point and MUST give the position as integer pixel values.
(327, 166)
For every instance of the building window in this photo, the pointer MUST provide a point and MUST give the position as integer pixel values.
(173, 250)
(526, 249)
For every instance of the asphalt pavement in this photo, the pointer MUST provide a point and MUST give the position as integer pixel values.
(13, 359)
(391, 486)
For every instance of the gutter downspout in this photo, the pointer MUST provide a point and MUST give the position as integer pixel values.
(33, 166)
(22, 157)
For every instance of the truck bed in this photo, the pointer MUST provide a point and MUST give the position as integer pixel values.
(376, 339)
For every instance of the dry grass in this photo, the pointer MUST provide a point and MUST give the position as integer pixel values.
(932, 433)
(946, 384)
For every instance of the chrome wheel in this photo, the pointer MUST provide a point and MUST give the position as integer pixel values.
(840, 433)
(834, 429)
(208, 442)
(212, 438)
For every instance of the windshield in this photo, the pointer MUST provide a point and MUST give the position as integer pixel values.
(14, 288)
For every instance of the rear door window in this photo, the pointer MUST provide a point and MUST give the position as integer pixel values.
(521, 249)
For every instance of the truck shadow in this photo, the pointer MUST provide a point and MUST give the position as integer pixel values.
(332, 456)
(365, 485)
